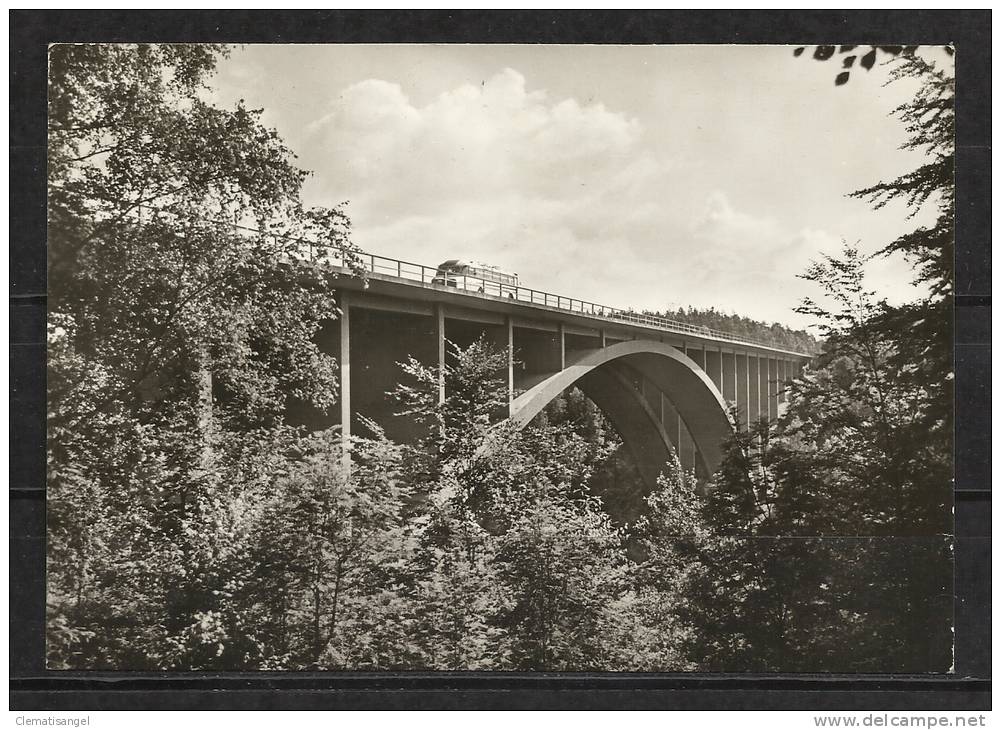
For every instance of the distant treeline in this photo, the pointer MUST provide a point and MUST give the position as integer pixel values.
(772, 334)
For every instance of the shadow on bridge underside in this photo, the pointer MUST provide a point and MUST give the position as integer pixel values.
(616, 378)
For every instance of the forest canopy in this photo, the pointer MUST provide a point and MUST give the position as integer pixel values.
(775, 334)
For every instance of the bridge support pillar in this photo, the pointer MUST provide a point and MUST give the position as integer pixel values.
(722, 373)
(749, 406)
(762, 391)
(736, 379)
(783, 380)
(679, 442)
(509, 327)
(561, 335)
(345, 377)
(674, 426)
(439, 331)
(772, 395)
(729, 388)
(762, 376)
(762, 387)
(741, 365)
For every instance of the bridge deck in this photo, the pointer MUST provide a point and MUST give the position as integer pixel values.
(421, 277)
(413, 282)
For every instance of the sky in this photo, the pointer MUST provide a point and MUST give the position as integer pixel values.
(649, 177)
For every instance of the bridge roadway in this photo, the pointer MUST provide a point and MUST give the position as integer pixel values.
(665, 386)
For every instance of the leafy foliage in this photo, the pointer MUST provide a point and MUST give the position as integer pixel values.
(191, 527)
(174, 342)
(866, 60)
(827, 537)
(930, 120)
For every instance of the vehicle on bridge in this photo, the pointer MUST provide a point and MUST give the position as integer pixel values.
(475, 276)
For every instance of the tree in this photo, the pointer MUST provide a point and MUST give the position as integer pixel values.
(454, 428)
(323, 537)
(650, 632)
(607, 469)
(175, 341)
(564, 565)
(517, 566)
(866, 60)
(829, 543)
(871, 421)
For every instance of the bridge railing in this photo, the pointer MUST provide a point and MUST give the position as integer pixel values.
(475, 285)
(353, 261)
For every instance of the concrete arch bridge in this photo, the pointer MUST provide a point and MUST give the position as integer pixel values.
(665, 386)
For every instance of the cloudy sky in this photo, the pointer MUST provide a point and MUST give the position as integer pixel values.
(635, 176)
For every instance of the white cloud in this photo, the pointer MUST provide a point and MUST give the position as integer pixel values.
(562, 192)
(633, 175)
(755, 259)
(572, 196)
(467, 144)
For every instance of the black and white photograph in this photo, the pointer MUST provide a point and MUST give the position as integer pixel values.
(500, 358)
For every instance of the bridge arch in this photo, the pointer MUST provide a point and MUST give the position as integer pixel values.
(604, 375)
